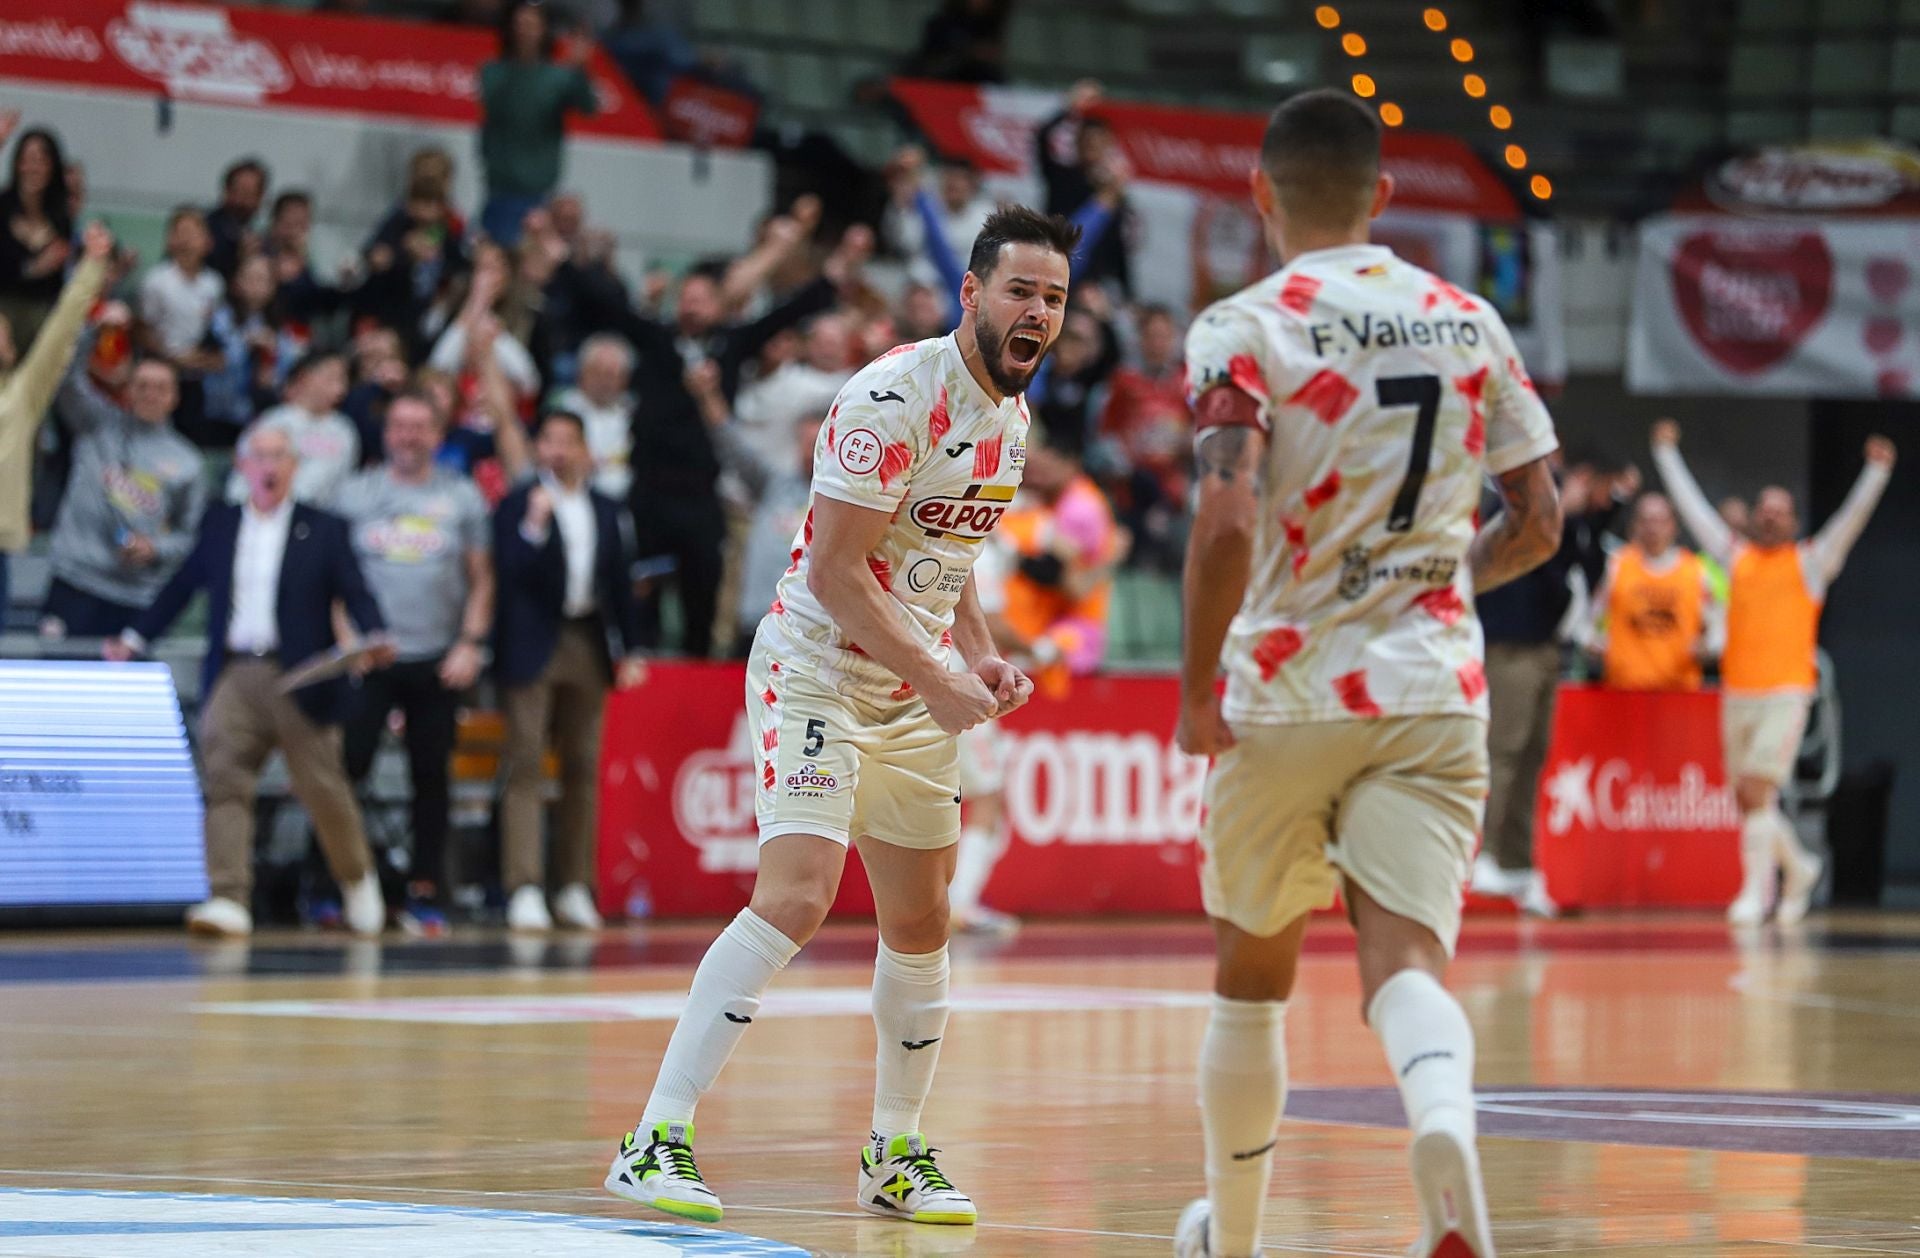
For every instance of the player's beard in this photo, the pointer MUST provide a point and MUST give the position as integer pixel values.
(991, 340)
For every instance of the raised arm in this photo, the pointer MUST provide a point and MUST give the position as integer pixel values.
(46, 363)
(1696, 512)
(1835, 539)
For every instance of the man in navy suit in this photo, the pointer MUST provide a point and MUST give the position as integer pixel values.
(562, 589)
(272, 570)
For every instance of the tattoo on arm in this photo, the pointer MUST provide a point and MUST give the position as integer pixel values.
(1522, 537)
(1223, 455)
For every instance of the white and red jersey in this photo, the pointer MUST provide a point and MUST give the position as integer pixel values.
(912, 434)
(1386, 395)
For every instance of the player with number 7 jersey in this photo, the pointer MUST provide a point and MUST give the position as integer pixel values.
(1348, 409)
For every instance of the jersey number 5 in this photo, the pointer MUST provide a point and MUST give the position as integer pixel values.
(1423, 393)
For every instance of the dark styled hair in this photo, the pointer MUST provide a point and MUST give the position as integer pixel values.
(56, 203)
(293, 196)
(243, 166)
(557, 415)
(311, 359)
(506, 28)
(1020, 225)
(1322, 152)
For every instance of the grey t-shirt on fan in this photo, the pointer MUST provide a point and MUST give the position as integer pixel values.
(412, 541)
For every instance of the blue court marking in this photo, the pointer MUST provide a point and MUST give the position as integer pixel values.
(689, 1241)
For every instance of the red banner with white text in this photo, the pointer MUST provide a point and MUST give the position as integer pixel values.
(275, 58)
(1210, 150)
(1104, 810)
(1634, 806)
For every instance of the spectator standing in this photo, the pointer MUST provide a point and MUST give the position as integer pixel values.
(912, 212)
(766, 411)
(1522, 624)
(781, 490)
(676, 510)
(603, 401)
(36, 230)
(418, 248)
(1148, 429)
(324, 440)
(256, 353)
(302, 298)
(562, 589)
(272, 570)
(964, 41)
(525, 97)
(1080, 159)
(177, 301)
(421, 534)
(27, 386)
(1777, 588)
(133, 501)
(243, 190)
(1652, 612)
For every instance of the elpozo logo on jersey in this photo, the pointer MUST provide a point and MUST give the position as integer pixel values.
(967, 518)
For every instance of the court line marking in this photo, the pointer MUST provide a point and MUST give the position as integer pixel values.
(581, 1195)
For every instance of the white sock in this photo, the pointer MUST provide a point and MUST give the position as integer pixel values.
(1787, 849)
(910, 1016)
(980, 851)
(725, 996)
(1429, 1049)
(1243, 1089)
(1758, 838)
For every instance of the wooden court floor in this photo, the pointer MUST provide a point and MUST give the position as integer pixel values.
(1650, 1086)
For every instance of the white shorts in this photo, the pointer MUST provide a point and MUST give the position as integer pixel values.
(840, 767)
(983, 761)
(1393, 804)
(1760, 734)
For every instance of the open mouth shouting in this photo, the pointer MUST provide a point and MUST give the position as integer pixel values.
(1025, 344)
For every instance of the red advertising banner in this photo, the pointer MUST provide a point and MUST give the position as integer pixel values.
(1211, 150)
(712, 117)
(1634, 806)
(271, 57)
(1104, 809)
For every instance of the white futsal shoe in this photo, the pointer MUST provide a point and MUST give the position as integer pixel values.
(1190, 1235)
(527, 911)
(1446, 1179)
(573, 908)
(220, 918)
(1803, 870)
(363, 908)
(899, 1179)
(661, 1173)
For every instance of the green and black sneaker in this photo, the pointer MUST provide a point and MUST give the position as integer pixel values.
(661, 1173)
(899, 1178)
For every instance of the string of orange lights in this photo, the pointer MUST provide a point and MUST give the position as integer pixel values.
(1354, 44)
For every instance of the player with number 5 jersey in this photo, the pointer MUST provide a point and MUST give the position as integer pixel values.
(1348, 409)
(855, 711)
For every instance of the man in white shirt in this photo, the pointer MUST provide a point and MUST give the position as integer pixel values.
(562, 587)
(604, 404)
(272, 570)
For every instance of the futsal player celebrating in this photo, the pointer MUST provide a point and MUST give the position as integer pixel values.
(1348, 407)
(854, 713)
(1776, 589)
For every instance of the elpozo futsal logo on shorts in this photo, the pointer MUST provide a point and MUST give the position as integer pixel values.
(810, 781)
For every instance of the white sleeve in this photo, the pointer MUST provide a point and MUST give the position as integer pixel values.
(516, 364)
(1595, 637)
(873, 439)
(1832, 543)
(1701, 519)
(1519, 429)
(1227, 346)
(450, 351)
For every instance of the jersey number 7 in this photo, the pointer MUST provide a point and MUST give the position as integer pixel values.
(1423, 393)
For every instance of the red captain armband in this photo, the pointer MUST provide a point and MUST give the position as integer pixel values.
(1227, 406)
